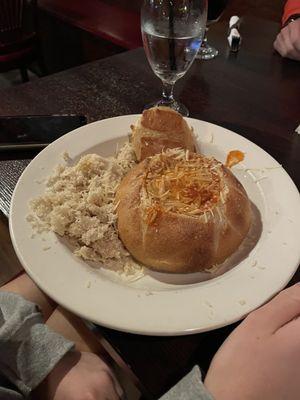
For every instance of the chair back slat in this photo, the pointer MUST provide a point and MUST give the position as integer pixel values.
(11, 15)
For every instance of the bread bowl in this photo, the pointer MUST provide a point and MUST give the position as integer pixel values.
(158, 129)
(181, 212)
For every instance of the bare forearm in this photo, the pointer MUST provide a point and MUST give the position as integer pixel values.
(74, 329)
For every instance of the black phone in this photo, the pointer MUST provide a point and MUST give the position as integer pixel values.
(35, 131)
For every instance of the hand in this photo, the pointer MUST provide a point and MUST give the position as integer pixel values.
(260, 360)
(287, 42)
(80, 376)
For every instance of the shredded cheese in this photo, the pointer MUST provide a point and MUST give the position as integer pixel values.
(181, 182)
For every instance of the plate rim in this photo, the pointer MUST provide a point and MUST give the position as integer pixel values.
(116, 326)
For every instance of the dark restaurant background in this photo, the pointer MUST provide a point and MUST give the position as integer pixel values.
(73, 32)
(258, 98)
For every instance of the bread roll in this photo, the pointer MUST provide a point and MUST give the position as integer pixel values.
(181, 212)
(160, 128)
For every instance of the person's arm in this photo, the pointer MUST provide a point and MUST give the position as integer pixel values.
(261, 358)
(36, 360)
(28, 349)
(25, 287)
(287, 42)
(292, 7)
(73, 328)
(56, 318)
(189, 388)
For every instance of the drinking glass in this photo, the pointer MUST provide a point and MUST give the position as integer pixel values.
(215, 11)
(172, 33)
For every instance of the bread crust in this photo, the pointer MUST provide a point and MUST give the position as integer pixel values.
(160, 128)
(179, 243)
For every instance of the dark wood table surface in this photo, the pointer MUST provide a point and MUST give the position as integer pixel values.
(255, 93)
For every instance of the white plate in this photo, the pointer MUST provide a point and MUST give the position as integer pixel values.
(160, 304)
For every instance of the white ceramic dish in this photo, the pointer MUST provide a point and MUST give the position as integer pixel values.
(162, 304)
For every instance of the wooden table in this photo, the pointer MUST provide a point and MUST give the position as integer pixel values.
(255, 93)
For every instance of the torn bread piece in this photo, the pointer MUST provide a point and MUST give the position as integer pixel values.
(158, 129)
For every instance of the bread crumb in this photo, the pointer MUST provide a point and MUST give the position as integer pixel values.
(88, 284)
(208, 304)
(254, 264)
(66, 156)
(45, 248)
(131, 272)
(261, 267)
(212, 269)
(242, 302)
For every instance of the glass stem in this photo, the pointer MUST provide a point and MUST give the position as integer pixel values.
(168, 92)
(204, 41)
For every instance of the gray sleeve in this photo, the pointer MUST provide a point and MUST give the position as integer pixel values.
(28, 349)
(189, 388)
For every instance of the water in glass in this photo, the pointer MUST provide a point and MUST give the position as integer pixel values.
(172, 33)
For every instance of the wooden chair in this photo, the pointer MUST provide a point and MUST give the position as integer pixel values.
(18, 36)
